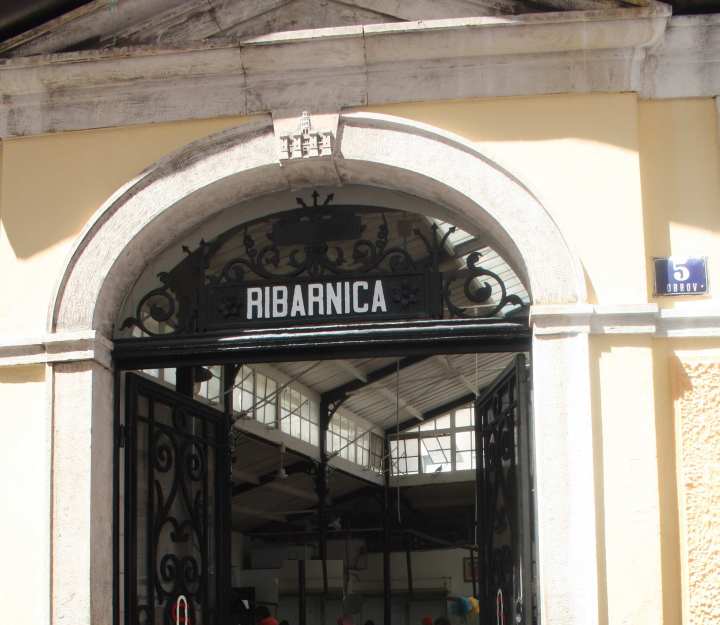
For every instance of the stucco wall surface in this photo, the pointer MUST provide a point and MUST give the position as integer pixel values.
(680, 167)
(579, 155)
(697, 388)
(634, 569)
(25, 434)
(50, 186)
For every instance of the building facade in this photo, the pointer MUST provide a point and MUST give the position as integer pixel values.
(578, 142)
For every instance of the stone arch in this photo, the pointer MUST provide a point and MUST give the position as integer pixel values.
(213, 173)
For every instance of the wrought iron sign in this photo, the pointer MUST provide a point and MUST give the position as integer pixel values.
(316, 264)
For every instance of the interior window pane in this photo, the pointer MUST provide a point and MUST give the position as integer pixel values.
(411, 446)
(305, 427)
(442, 423)
(464, 417)
(247, 401)
(436, 454)
(295, 426)
(427, 426)
(214, 390)
(464, 441)
(464, 461)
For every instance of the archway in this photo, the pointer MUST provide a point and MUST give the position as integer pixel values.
(188, 187)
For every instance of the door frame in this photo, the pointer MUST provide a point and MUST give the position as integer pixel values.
(297, 344)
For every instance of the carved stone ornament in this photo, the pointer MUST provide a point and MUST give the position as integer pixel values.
(305, 143)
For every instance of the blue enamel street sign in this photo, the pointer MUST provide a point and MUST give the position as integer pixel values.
(681, 276)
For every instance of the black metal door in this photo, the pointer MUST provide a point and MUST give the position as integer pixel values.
(176, 521)
(504, 497)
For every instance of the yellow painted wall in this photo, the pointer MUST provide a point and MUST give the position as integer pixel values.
(636, 477)
(680, 167)
(25, 492)
(579, 155)
(50, 186)
(625, 180)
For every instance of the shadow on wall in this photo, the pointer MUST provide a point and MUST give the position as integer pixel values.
(52, 184)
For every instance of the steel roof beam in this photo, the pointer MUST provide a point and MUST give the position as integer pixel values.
(435, 412)
(344, 390)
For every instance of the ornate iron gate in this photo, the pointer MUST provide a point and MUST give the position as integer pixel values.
(504, 498)
(176, 508)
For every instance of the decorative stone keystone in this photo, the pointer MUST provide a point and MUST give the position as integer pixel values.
(305, 143)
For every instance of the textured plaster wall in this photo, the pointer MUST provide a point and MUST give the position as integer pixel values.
(25, 432)
(697, 413)
(50, 186)
(680, 166)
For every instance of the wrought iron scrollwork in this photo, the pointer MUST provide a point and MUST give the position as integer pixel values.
(159, 305)
(481, 295)
(176, 498)
(320, 242)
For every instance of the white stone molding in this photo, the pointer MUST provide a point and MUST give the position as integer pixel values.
(565, 487)
(327, 69)
(56, 348)
(646, 319)
(82, 461)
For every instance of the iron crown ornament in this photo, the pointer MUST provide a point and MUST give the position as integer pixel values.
(317, 263)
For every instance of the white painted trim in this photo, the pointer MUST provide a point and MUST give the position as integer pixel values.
(616, 50)
(55, 348)
(685, 323)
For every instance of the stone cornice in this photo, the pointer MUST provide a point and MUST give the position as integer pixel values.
(646, 319)
(328, 69)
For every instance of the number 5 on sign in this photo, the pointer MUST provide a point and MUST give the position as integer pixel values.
(681, 272)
